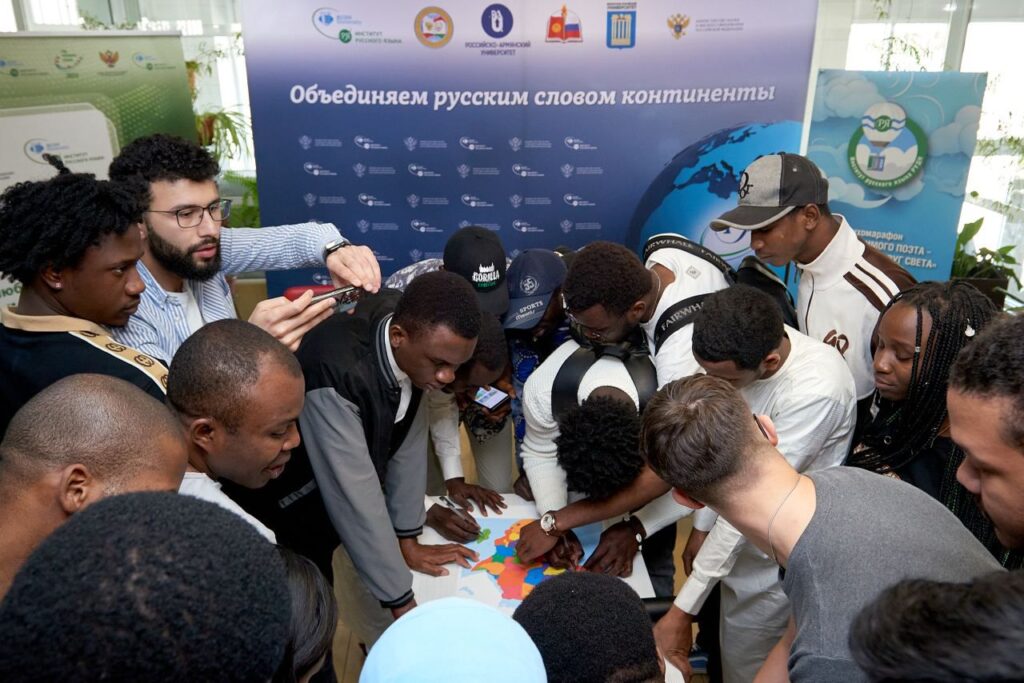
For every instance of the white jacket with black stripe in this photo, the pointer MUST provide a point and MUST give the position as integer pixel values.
(841, 295)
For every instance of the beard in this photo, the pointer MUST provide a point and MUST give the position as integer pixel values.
(181, 262)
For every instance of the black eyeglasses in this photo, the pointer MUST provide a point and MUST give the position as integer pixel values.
(589, 332)
(761, 427)
(192, 216)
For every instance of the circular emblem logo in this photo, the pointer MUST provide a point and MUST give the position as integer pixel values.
(345, 36)
(888, 150)
(433, 27)
(497, 21)
(529, 285)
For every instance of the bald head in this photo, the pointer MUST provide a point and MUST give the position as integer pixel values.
(110, 427)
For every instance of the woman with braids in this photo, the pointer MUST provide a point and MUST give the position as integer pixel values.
(73, 243)
(920, 333)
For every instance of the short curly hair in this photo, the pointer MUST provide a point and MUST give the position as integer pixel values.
(599, 446)
(922, 630)
(164, 157)
(590, 627)
(439, 298)
(491, 347)
(53, 222)
(215, 370)
(993, 367)
(178, 589)
(739, 324)
(608, 274)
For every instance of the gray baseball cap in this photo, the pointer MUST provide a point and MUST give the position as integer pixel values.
(771, 187)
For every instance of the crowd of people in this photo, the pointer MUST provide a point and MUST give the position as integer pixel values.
(188, 496)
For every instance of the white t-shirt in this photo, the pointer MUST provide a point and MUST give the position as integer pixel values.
(694, 276)
(186, 299)
(540, 454)
(199, 485)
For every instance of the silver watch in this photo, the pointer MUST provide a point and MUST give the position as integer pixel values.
(334, 246)
(547, 523)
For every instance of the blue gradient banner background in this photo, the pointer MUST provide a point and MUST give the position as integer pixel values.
(402, 178)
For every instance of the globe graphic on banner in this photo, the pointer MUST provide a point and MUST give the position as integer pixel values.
(701, 182)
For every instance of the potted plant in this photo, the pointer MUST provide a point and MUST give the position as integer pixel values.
(988, 270)
(223, 132)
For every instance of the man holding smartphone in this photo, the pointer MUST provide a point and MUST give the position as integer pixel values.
(188, 254)
(359, 475)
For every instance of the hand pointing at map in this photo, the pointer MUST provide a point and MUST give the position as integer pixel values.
(430, 559)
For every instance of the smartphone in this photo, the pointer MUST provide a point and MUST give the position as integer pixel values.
(347, 297)
(490, 397)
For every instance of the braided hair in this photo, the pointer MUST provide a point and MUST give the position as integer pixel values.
(906, 429)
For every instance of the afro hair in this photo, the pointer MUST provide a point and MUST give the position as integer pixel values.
(599, 446)
(51, 223)
(147, 587)
(590, 627)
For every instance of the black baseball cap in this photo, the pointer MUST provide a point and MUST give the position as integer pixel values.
(771, 187)
(477, 254)
(532, 278)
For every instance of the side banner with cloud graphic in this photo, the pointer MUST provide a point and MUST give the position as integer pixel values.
(546, 121)
(896, 147)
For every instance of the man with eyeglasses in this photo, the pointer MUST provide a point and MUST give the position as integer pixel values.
(608, 293)
(188, 254)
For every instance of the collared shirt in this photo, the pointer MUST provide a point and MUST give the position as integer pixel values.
(38, 350)
(161, 324)
(403, 379)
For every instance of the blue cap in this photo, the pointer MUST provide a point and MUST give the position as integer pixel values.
(532, 278)
(454, 640)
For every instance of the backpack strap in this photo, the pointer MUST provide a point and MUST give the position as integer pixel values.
(676, 317)
(669, 241)
(633, 354)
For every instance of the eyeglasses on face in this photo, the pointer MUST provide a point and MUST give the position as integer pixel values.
(589, 332)
(192, 216)
(761, 427)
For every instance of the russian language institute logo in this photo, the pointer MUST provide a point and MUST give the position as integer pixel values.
(678, 23)
(329, 22)
(888, 150)
(433, 27)
(564, 27)
(621, 25)
(496, 21)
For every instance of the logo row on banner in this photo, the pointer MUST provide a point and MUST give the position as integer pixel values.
(435, 27)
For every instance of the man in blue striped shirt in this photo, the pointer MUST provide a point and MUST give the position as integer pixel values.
(188, 255)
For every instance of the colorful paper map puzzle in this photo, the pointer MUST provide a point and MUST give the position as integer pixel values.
(498, 576)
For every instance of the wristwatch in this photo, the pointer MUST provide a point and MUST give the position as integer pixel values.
(548, 524)
(334, 246)
(637, 527)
